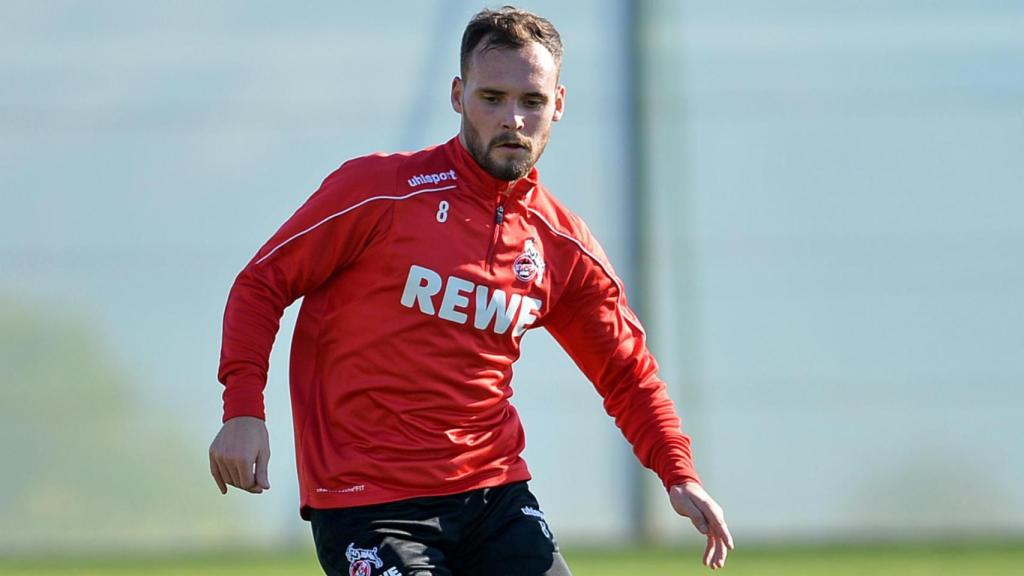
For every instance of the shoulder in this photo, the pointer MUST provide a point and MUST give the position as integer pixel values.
(376, 179)
(373, 172)
(386, 176)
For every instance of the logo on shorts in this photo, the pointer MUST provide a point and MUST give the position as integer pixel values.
(529, 265)
(361, 559)
(531, 511)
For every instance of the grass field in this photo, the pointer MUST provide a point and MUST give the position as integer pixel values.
(930, 560)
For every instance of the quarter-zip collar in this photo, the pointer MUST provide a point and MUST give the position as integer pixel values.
(479, 180)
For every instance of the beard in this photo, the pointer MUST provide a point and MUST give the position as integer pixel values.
(486, 154)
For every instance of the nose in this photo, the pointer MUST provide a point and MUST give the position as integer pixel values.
(513, 119)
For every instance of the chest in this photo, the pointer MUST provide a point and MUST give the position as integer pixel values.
(483, 263)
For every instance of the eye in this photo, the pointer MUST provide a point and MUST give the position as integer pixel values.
(489, 98)
(534, 103)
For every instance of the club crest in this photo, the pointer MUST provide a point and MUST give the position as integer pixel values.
(529, 265)
(362, 561)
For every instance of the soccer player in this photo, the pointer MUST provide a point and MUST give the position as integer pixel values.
(421, 272)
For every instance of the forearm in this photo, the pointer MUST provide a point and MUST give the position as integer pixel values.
(648, 419)
(251, 321)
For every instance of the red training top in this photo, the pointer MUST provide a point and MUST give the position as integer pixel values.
(420, 274)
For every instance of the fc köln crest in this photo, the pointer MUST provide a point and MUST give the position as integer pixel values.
(362, 561)
(529, 265)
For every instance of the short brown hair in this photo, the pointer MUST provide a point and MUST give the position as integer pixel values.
(508, 27)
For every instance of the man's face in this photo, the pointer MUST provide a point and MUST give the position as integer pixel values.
(508, 100)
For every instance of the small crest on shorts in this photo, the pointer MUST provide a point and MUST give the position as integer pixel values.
(529, 265)
(362, 561)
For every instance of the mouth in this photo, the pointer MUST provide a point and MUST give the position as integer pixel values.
(512, 145)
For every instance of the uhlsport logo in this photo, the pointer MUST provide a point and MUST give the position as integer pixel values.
(531, 511)
(361, 559)
(435, 178)
(529, 265)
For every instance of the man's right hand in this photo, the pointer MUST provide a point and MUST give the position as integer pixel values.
(239, 455)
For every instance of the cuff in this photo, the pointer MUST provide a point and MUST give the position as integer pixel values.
(243, 396)
(680, 477)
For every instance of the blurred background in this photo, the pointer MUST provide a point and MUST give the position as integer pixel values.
(817, 207)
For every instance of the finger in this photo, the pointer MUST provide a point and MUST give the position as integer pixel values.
(262, 478)
(715, 518)
(722, 544)
(718, 558)
(708, 551)
(227, 472)
(230, 473)
(726, 535)
(215, 472)
(722, 535)
(243, 467)
(697, 517)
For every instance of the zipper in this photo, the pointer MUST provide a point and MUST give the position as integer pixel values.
(499, 218)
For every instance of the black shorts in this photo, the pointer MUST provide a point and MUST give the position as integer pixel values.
(493, 531)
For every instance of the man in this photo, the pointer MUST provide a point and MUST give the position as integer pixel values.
(420, 273)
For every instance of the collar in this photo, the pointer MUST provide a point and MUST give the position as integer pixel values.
(480, 180)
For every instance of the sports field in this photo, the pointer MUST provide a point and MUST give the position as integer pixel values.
(932, 560)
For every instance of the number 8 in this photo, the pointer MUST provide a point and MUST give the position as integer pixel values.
(442, 211)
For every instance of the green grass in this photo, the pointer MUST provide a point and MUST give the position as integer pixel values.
(930, 560)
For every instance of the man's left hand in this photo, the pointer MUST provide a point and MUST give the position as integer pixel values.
(689, 499)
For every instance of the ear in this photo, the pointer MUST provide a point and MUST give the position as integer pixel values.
(559, 104)
(457, 94)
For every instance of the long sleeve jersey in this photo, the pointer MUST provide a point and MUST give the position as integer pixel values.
(420, 273)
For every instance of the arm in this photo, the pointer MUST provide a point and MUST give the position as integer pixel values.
(595, 326)
(328, 232)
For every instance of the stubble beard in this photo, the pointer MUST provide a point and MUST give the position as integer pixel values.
(507, 170)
